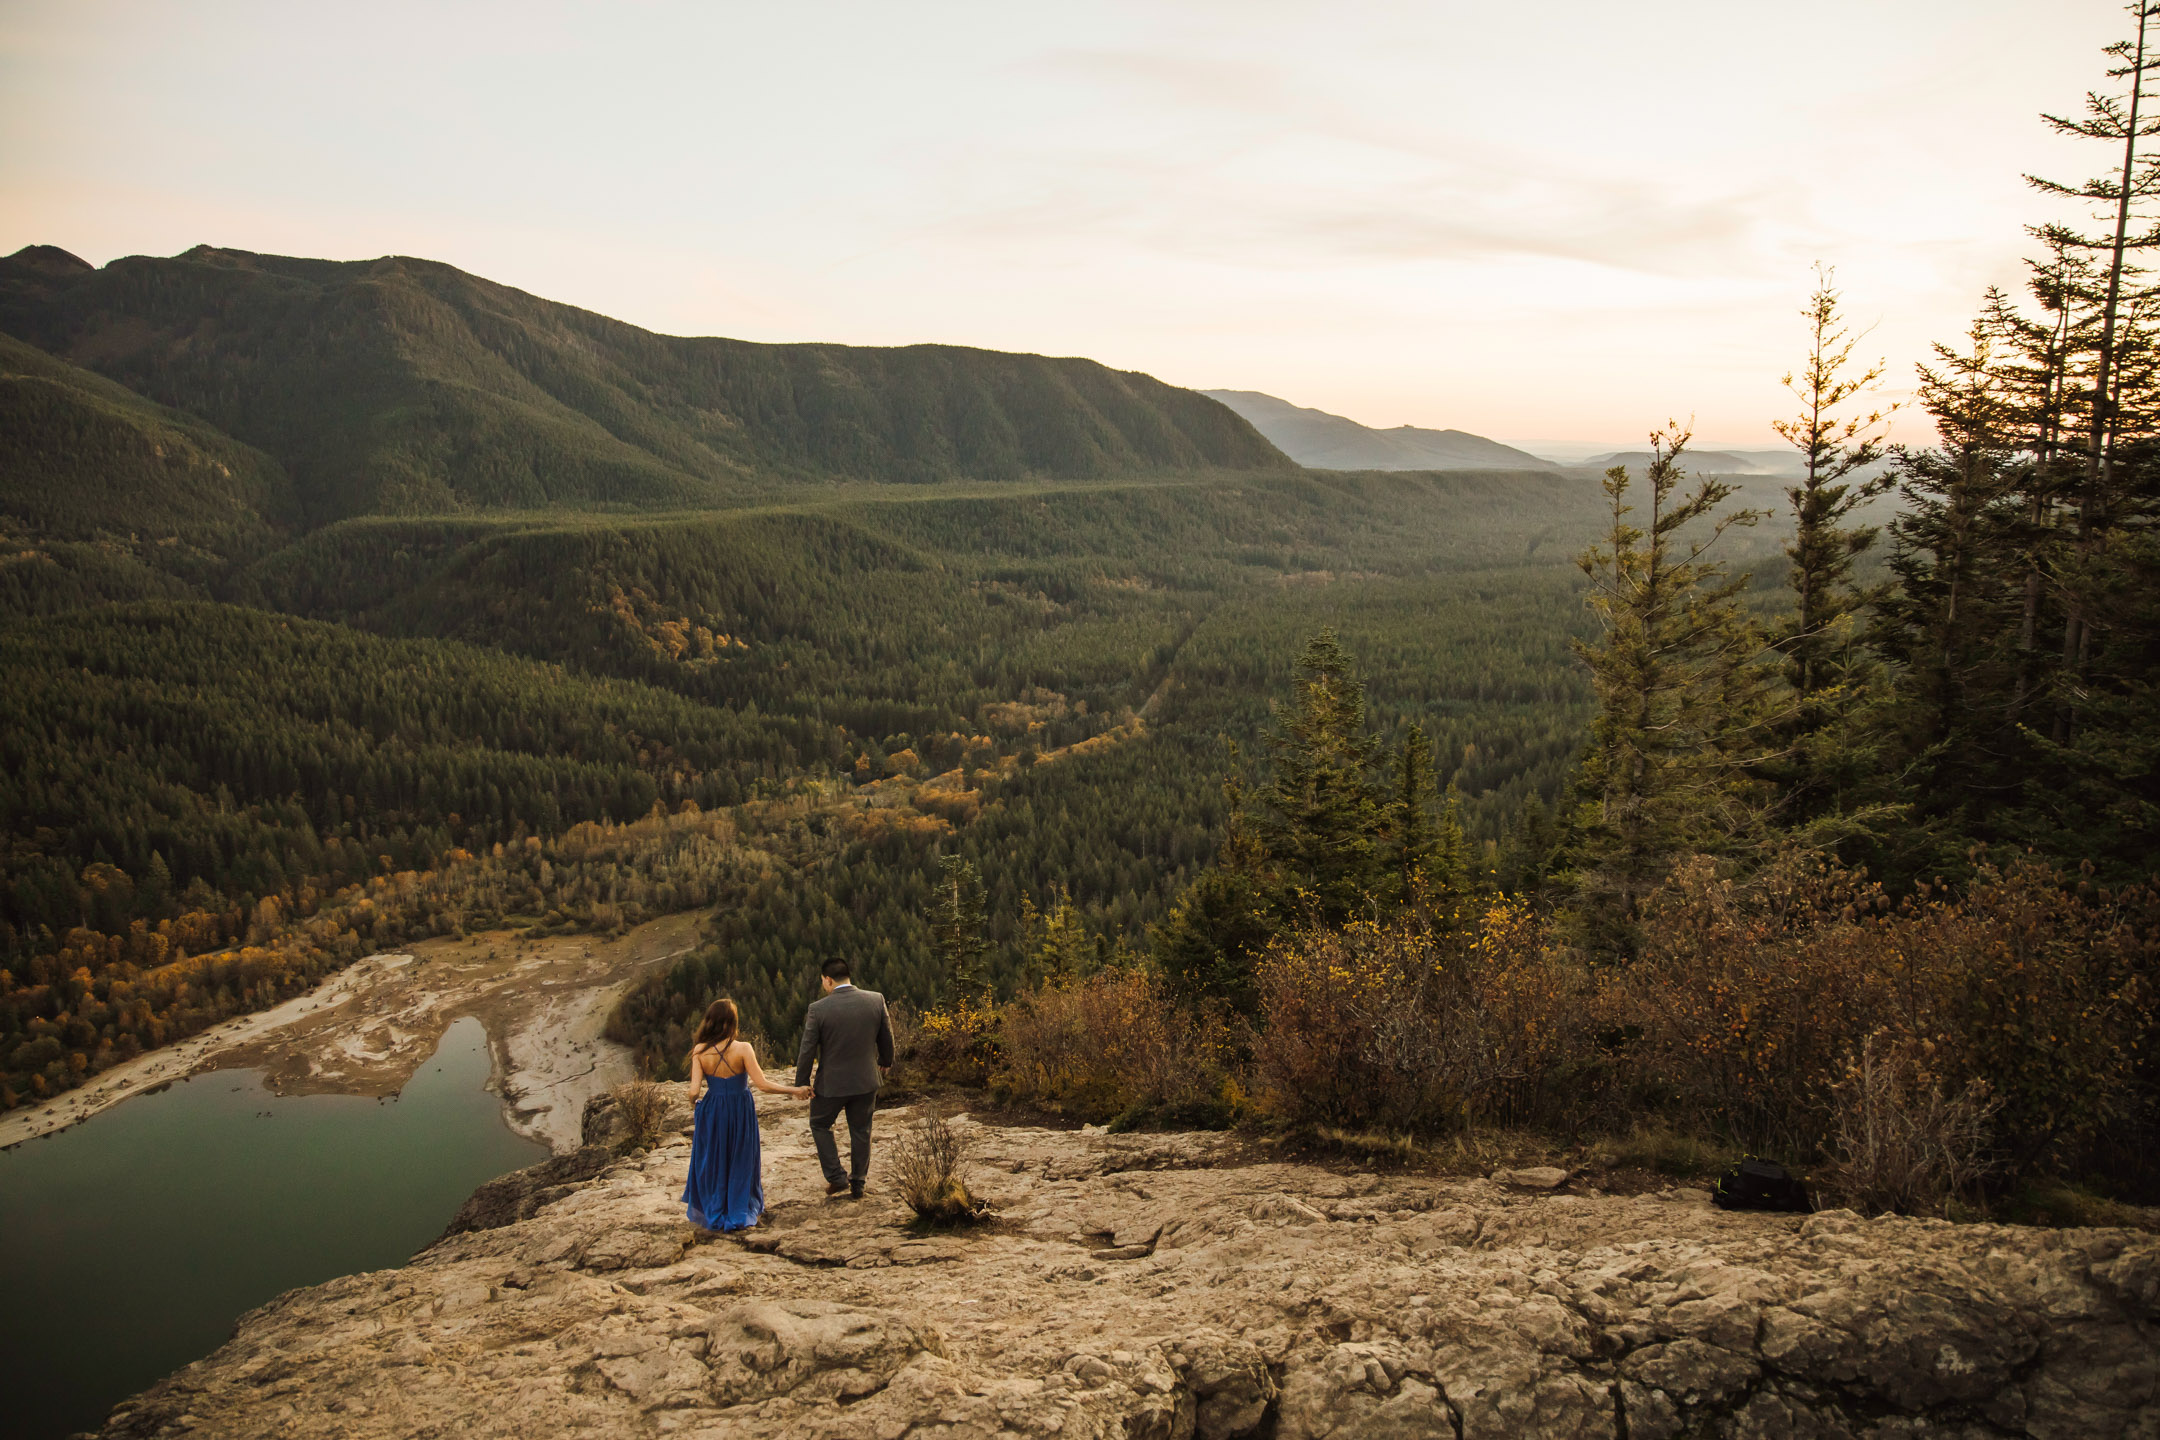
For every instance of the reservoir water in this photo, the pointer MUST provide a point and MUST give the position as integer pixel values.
(130, 1243)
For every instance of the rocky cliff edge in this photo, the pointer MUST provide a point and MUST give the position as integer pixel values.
(1185, 1286)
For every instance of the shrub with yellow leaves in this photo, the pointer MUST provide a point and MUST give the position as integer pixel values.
(1417, 1024)
(957, 1044)
(1113, 1044)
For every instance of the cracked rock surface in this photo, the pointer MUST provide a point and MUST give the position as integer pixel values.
(1167, 1287)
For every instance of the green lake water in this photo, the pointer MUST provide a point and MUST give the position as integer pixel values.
(130, 1243)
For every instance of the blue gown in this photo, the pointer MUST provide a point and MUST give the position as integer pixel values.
(726, 1190)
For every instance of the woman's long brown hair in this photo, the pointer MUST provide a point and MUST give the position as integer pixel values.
(719, 1025)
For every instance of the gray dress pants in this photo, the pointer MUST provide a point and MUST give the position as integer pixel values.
(824, 1109)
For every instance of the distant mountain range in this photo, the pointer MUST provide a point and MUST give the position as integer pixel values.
(404, 386)
(1709, 462)
(1333, 442)
(228, 398)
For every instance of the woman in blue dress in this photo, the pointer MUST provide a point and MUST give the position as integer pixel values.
(726, 1190)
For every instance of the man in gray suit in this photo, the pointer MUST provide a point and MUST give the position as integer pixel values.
(849, 1037)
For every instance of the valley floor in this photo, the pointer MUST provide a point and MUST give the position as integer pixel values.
(365, 1030)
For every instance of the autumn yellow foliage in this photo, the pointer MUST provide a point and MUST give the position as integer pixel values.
(2025, 1000)
(1112, 1044)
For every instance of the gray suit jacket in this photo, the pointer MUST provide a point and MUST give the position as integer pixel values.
(849, 1036)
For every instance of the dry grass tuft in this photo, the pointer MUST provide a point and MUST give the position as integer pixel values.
(1903, 1144)
(1664, 1151)
(643, 1105)
(930, 1170)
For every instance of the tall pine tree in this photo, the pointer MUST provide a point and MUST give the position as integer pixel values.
(1836, 448)
(1944, 624)
(957, 925)
(1826, 753)
(1206, 947)
(2121, 120)
(1679, 672)
(1410, 818)
(1323, 811)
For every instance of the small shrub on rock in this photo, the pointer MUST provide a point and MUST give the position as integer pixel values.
(643, 1106)
(957, 1044)
(1903, 1144)
(930, 1171)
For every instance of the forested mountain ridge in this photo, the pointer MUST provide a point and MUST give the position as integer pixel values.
(406, 386)
(83, 456)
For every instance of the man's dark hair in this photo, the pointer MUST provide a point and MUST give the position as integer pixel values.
(835, 968)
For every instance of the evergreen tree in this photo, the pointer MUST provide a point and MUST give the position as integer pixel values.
(1206, 947)
(1329, 835)
(1410, 817)
(1059, 950)
(1678, 671)
(1944, 622)
(1835, 447)
(2117, 120)
(1434, 864)
(957, 927)
(1324, 808)
(1456, 873)
(1533, 851)
(1826, 749)
(2094, 799)
(2032, 366)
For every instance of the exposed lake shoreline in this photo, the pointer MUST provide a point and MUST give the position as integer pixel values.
(365, 1030)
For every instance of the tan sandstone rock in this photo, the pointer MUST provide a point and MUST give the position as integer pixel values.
(1186, 1288)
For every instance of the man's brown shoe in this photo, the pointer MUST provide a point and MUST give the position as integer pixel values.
(837, 1187)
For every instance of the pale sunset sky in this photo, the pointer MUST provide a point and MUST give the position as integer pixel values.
(1552, 224)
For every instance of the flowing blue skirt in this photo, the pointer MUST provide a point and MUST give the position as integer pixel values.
(726, 1190)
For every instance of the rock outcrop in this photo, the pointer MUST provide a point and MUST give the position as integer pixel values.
(1166, 1287)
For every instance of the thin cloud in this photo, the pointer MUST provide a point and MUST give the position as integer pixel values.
(1208, 207)
(1236, 159)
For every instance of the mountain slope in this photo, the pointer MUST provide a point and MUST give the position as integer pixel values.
(82, 457)
(406, 386)
(859, 611)
(1331, 442)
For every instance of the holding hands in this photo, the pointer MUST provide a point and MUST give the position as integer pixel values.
(730, 1058)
